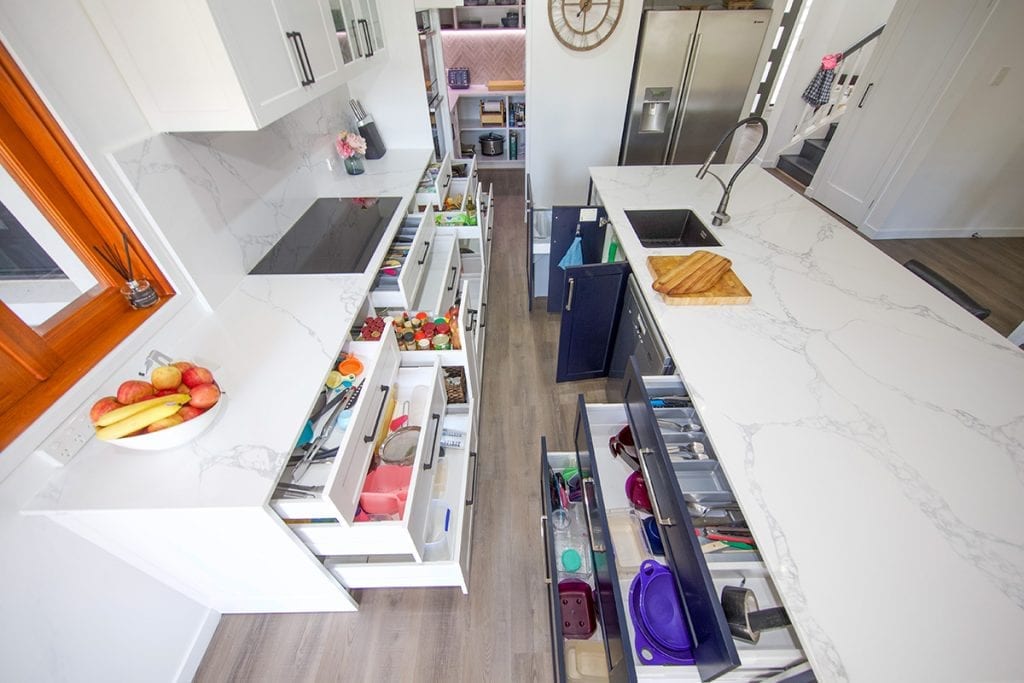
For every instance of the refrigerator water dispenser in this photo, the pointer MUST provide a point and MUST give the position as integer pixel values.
(655, 110)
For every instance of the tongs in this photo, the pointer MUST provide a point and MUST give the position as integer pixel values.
(339, 403)
(291, 490)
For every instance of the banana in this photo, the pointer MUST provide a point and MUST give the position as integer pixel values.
(139, 420)
(127, 411)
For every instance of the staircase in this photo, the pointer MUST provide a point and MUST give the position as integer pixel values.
(801, 167)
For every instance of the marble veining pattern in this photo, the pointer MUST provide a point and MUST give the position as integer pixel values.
(871, 429)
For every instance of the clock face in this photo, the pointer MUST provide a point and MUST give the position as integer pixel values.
(583, 24)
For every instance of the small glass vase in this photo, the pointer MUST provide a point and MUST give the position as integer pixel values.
(354, 165)
(139, 294)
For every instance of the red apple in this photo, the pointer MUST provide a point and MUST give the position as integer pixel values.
(134, 391)
(165, 392)
(103, 406)
(183, 365)
(165, 377)
(195, 376)
(204, 395)
(183, 389)
(169, 421)
(189, 412)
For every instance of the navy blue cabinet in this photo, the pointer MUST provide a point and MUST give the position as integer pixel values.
(590, 316)
(565, 222)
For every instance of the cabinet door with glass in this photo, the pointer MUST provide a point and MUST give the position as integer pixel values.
(360, 34)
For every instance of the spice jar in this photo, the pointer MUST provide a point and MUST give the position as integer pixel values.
(442, 342)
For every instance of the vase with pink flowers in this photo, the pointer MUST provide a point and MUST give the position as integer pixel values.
(351, 147)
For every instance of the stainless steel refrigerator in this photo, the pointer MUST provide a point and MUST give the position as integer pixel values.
(691, 76)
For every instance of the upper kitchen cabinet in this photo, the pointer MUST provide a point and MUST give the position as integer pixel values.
(209, 65)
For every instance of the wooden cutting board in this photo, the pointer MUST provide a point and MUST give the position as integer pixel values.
(728, 290)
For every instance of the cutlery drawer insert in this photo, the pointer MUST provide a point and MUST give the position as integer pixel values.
(401, 274)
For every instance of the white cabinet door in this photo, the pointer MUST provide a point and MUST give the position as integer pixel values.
(370, 18)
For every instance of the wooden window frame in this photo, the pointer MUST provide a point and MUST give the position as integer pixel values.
(45, 164)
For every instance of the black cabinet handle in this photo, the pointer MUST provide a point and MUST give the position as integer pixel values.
(472, 320)
(865, 95)
(369, 38)
(294, 37)
(472, 491)
(451, 284)
(426, 249)
(437, 442)
(447, 179)
(380, 411)
(483, 315)
(355, 38)
(305, 55)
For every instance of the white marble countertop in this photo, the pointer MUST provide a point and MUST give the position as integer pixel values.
(872, 431)
(270, 344)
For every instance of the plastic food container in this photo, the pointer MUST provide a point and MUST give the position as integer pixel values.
(385, 490)
(439, 519)
(585, 662)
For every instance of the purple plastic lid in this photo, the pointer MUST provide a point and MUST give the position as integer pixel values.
(662, 635)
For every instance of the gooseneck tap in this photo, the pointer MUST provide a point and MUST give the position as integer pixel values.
(720, 215)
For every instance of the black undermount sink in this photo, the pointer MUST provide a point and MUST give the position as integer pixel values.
(667, 228)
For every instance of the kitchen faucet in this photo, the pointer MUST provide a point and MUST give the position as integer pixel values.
(720, 215)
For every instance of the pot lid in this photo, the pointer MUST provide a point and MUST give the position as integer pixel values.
(492, 137)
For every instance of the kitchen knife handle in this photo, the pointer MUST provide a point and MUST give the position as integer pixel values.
(437, 442)
(476, 465)
(311, 79)
(651, 493)
(572, 289)
(369, 438)
(451, 285)
(369, 39)
(594, 545)
(426, 249)
(355, 38)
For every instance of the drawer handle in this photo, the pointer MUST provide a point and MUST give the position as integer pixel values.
(293, 37)
(483, 315)
(447, 179)
(472, 320)
(380, 412)
(451, 285)
(311, 79)
(426, 250)
(651, 493)
(437, 442)
(594, 545)
(472, 491)
(572, 289)
(544, 542)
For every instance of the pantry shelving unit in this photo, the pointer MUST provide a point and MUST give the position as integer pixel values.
(468, 127)
(486, 15)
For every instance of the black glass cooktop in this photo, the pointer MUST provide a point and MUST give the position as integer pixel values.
(336, 235)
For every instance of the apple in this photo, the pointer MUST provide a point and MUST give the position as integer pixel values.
(182, 389)
(103, 406)
(195, 376)
(165, 377)
(183, 365)
(170, 421)
(134, 391)
(204, 395)
(188, 412)
(165, 392)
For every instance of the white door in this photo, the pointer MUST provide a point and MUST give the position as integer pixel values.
(313, 21)
(919, 50)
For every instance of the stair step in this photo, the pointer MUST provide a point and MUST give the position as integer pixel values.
(814, 150)
(797, 168)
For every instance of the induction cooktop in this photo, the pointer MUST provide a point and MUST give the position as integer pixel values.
(335, 235)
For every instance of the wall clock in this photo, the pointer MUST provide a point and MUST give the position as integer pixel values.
(583, 24)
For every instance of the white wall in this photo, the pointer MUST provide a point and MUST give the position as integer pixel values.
(967, 176)
(576, 105)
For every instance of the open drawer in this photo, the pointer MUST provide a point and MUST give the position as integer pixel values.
(442, 279)
(467, 222)
(402, 532)
(449, 530)
(400, 278)
(434, 185)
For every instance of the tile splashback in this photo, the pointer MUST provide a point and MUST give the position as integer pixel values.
(221, 200)
(489, 55)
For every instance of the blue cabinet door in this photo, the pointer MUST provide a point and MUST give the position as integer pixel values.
(590, 317)
(564, 222)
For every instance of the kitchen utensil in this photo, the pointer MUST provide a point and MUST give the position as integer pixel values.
(375, 147)
(292, 490)
(636, 492)
(350, 366)
(492, 144)
(672, 402)
(400, 421)
(324, 454)
(385, 490)
(325, 434)
(435, 540)
(728, 290)
(666, 617)
(399, 448)
(385, 420)
(680, 426)
(622, 445)
(577, 601)
(653, 536)
(746, 621)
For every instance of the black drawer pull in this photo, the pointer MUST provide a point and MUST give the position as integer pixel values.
(472, 491)
(293, 37)
(483, 315)
(451, 284)
(311, 78)
(437, 442)
(426, 248)
(472, 320)
(380, 412)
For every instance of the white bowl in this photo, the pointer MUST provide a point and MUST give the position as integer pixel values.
(175, 436)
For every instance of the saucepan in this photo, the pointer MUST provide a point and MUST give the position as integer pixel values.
(623, 446)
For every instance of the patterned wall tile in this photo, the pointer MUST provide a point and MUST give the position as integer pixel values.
(489, 55)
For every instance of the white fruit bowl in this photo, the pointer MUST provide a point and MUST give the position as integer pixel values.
(175, 436)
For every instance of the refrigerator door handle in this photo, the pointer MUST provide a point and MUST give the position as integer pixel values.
(684, 98)
(676, 111)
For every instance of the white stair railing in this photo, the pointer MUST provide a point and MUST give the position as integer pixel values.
(849, 68)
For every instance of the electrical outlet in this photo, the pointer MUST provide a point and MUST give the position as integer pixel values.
(65, 441)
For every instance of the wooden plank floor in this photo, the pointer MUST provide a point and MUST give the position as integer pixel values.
(499, 632)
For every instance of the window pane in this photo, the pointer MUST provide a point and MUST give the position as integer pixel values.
(39, 274)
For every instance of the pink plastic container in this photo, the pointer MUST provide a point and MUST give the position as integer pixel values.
(385, 490)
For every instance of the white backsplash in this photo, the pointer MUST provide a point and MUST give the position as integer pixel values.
(221, 200)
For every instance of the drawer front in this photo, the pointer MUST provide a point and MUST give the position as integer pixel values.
(453, 276)
(443, 254)
(403, 292)
(434, 192)
(550, 568)
(714, 651)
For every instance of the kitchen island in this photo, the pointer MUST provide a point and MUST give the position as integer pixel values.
(871, 430)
